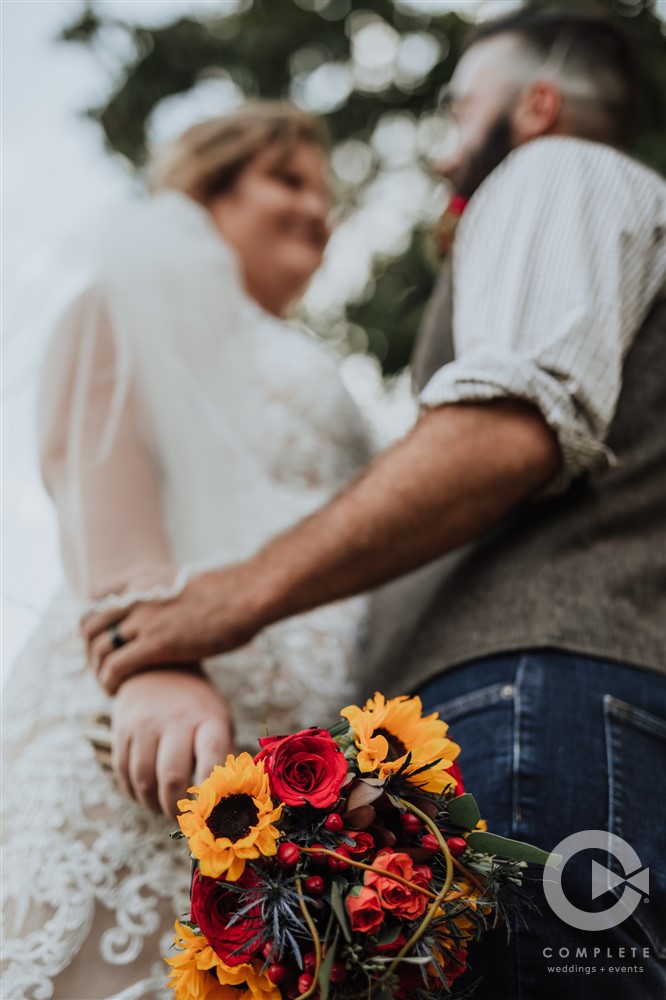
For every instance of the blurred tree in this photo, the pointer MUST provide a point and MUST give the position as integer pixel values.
(361, 64)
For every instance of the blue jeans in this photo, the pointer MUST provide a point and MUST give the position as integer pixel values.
(552, 744)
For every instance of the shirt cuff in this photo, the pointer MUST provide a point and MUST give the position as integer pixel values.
(488, 376)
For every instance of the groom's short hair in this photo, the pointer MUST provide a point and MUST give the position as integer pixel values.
(583, 49)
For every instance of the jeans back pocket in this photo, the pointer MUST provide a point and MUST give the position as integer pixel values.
(636, 749)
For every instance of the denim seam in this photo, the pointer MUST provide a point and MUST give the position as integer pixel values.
(613, 769)
(615, 722)
(516, 757)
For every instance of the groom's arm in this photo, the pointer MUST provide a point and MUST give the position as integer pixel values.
(461, 470)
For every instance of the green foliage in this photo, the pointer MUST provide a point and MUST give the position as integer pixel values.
(391, 311)
(464, 812)
(268, 47)
(516, 850)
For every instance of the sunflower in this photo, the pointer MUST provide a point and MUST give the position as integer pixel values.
(198, 974)
(230, 820)
(387, 732)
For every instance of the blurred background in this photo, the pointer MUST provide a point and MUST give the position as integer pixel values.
(88, 88)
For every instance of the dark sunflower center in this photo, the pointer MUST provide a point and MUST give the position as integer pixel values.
(396, 748)
(233, 817)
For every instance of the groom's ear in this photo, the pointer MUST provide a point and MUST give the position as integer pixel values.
(538, 111)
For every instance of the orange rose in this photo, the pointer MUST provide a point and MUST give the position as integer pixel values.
(365, 911)
(403, 902)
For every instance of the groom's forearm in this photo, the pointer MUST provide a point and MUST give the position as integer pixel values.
(459, 472)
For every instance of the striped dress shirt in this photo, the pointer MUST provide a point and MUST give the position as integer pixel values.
(557, 260)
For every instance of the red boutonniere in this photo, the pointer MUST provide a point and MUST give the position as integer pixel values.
(447, 224)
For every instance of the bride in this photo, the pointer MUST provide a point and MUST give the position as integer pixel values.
(182, 423)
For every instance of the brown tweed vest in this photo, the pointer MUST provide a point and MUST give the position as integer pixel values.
(584, 572)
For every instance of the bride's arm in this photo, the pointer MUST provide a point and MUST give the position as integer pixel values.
(95, 464)
(168, 724)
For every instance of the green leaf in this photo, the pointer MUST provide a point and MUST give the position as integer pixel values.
(325, 968)
(340, 728)
(338, 907)
(463, 811)
(390, 934)
(516, 850)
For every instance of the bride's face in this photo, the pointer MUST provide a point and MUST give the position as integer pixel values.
(276, 218)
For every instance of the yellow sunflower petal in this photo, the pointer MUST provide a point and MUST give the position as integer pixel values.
(230, 819)
(197, 973)
(386, 733)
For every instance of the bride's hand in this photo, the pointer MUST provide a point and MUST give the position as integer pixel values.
(167, 727)
(210, 616)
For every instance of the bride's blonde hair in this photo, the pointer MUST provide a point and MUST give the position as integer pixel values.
(206, 159)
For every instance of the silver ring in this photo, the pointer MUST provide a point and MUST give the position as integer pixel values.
(117, 640)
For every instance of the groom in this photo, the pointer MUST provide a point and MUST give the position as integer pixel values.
(524, 514)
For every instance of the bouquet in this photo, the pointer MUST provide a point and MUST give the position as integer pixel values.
(341, 863)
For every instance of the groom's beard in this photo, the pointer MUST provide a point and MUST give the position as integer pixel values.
(482, 161)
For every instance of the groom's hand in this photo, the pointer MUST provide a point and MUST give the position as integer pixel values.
(169, 728)
(216, 612)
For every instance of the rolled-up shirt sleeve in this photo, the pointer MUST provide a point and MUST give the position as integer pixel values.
(556, 263)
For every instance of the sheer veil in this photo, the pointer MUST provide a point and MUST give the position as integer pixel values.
(148, 406)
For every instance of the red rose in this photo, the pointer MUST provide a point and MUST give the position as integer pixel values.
(365, 911)
(403, 902)
(363, 841)
(212, 907)
(307, 767)
(422, 876)
(456, 773)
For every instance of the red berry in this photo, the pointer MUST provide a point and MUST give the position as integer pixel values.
(339, 864)
(430, 842)
(411, 823)
(305, 982)
(267, 949)
(309, 961)
(288, 855)
(338, 972)
(457, 846)
(318, 859)
(277, 973)
(333, 823)
(314, 885)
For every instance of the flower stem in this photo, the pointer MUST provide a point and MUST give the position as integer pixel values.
(370, 868)
(315, 940)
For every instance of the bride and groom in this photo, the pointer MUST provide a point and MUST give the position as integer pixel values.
(225, 437)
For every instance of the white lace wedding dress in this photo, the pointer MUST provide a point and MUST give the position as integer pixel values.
(180, 427)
